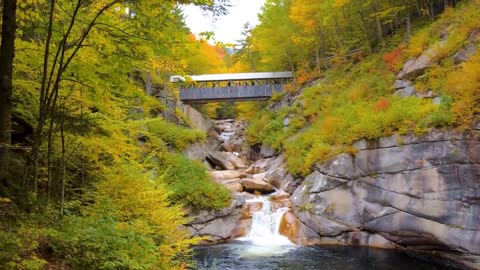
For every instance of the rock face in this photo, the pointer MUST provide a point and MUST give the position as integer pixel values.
(196, 118)
(219, 225)
(418, 193)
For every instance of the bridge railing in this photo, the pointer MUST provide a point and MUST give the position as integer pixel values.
(240, 92)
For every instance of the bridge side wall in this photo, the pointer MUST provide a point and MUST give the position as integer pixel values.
(248, 92)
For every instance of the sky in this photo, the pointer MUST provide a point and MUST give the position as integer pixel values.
(228, 28)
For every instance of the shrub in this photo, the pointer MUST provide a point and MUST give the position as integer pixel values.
(393, 59)
(132, 224)
(191, 185)
(173, 135)
(18, 249)
(382, 105)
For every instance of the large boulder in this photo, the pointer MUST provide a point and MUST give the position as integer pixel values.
(218, 225)
(234, 185)
(222, 175)
(220, 159)
(417, 66)
(400, 84)
(256, 184)
(420, 193)
(233, 159)
(276, 177)
(266, 151)
(406, 92)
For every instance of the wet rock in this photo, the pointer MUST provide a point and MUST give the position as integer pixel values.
(245, 223)
(281, 199)
(252, 185)
(290, 226)
(361, 238)
(218, 225)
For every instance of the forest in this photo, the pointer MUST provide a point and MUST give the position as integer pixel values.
(92, 174)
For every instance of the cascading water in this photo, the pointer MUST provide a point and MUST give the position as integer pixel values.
(263, 238)
(264, 234)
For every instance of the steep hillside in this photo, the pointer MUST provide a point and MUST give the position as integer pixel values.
(433, 82)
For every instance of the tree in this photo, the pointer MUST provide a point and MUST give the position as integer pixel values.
(7, 54)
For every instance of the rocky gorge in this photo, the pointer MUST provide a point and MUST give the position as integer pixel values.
(420, 195)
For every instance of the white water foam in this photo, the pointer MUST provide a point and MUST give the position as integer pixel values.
(264, 235)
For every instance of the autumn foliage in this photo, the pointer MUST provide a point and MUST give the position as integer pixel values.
(382, 105)
(393, 59)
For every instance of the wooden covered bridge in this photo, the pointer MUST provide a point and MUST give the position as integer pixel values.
(231, 87)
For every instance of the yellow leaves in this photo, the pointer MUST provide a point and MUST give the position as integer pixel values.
(464, 86)
(358, 92)
(5, 200)
(418, 43)
(341, 3)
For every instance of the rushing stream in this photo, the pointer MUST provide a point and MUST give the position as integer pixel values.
(264, 248)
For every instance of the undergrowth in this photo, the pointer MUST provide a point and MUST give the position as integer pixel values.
(355, 101)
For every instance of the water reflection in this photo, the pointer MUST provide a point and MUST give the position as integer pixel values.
(232, 256)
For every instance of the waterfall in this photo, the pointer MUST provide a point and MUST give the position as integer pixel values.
(264, 234)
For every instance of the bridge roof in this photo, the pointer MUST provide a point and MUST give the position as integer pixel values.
(235, 76)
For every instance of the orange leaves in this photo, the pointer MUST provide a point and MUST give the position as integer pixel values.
(393, 59)
(304, 76)
(382, 105)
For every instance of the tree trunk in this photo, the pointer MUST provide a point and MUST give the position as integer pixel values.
(379, 24)
(408, 21)
(7, 53)
(62, 166)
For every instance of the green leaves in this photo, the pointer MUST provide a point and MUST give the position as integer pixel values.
(191, 185)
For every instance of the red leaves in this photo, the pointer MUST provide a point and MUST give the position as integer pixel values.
(382, 105)
(393, 59)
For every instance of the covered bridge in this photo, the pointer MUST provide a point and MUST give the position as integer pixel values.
(231, 86)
